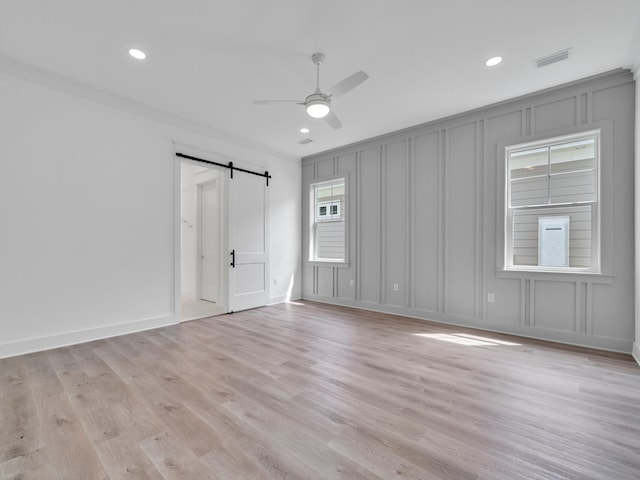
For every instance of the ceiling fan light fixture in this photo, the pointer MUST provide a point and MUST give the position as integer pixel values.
(318, 108)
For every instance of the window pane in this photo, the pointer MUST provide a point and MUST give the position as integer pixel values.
(528, 175)
(330, 240)
(525, 238)
(573, 187)
(530, 191)
(528, 163)
(324, 193)
(526, 241)
(580, 238)
(573, 173)
(572, 156)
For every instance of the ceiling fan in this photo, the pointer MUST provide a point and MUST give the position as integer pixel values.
(318, 104)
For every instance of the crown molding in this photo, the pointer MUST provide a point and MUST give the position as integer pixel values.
(618, 74)
(23, 71)
(633, 56)
(636, 69)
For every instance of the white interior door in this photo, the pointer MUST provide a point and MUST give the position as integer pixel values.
(248, 242)
(210, 240)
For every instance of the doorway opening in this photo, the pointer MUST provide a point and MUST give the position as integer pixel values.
(203, 273)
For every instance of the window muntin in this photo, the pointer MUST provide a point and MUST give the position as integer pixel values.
(328, 226)
(553, 178)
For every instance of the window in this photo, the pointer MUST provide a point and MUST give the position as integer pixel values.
(552, 204)
(328, 221)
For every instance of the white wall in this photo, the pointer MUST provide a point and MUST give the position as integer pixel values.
(87, 211)
(285, 231)
(636, 344)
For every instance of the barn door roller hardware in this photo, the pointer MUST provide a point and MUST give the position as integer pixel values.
(226, 165)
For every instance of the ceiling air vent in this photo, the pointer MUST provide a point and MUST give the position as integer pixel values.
(553, 58)
(304, 141)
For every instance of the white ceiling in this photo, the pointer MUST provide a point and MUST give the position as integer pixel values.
(208, 60)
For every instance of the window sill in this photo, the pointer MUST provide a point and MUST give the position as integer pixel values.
(555, 275)
(328, 263)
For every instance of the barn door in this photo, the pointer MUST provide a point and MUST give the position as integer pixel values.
(248, 242)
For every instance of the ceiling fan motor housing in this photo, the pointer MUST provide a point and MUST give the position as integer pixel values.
(317, 97)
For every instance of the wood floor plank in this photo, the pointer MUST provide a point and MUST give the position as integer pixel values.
(124, 460)
(174, 460)
(241, 451)
(383, 462)
(130, 416)
(18, 415)
(257, 444)
(91, 363)
(42, 377)
(315, 391)
(199, 437)
(300, 440)
(125, 368)
(114, 435)
(34, 466)
(70, 451)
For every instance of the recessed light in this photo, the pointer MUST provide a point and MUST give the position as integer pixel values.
(304, 130)
(493, 61)
(137, 54)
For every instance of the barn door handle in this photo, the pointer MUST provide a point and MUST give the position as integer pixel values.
(233, 258)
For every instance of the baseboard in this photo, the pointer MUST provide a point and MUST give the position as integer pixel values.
(568, 338)
(284, 298)
(636, 352)
(277, 299)
(38, 344)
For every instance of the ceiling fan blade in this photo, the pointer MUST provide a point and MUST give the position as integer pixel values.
(275, 102)
(347, 84)
(333, 120)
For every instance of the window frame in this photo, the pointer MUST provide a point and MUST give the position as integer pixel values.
(554, 209)
(343, 211)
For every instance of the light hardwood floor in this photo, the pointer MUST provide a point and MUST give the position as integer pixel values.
(319, 392)
(192, 309)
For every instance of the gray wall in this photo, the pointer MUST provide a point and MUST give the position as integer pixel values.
(426, 207)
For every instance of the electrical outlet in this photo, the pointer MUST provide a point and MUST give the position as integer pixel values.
(352, 283)
(395, 287)
(491, 297)
(275, 281)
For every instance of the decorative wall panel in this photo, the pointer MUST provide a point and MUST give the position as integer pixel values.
(426, 221)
